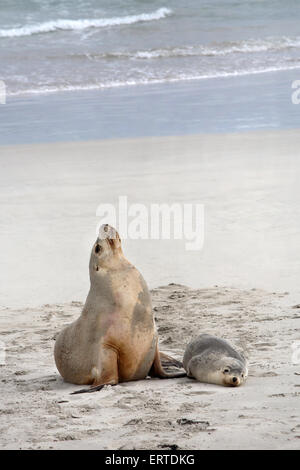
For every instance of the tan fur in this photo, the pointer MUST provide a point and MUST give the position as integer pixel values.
(115, 339)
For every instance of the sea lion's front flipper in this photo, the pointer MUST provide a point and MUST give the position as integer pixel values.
(158, 371)
(108, 373)
(97, 388)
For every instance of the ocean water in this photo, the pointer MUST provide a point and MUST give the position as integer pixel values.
(52, 45)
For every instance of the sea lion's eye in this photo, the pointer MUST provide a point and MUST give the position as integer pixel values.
(98, 248)
(226, 371)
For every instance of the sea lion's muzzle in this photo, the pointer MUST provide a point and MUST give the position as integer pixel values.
(235, 381)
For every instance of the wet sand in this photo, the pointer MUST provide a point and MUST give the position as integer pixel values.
(247, 182)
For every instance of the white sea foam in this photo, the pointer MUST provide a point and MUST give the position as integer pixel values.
(248, 46)
(147, 81)
(73, 25)
(217, 49)
(254, 45)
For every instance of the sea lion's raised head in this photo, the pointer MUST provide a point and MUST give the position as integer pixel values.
(106, 247)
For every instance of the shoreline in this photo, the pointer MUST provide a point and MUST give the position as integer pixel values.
(61, 145)
(102, 87)
(222, 104)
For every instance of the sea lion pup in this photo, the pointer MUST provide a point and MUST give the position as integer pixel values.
(213, 360)
(114, 339)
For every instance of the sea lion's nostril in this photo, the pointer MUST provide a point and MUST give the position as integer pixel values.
(234, 379)
(97, 248)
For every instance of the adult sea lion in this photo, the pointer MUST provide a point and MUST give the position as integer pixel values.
(213, 360)
(114, 339)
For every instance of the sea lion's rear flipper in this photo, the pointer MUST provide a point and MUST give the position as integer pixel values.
(168, 361)
(158, 371)
(108, 375)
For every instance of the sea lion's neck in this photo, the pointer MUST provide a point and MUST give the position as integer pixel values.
(100, 294)
(103, 290)
(109, 263)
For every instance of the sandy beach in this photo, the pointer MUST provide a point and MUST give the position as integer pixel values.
(38, 412)
(243, 286)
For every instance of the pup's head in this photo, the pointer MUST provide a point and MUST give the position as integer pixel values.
(233, 371)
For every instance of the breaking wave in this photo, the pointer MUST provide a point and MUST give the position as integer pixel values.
(73, 25)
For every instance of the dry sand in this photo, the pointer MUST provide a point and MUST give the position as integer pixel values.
(38, 412)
